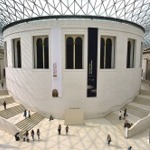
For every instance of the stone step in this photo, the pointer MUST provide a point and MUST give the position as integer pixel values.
(144, 92)
(131, 118)
(12, 111)
(136, 111)
(114, 119)
(17, 118)
(8, 106)
(142, 99)
(5, 96)
(29, 123)
(3, 92)
(145, 107)
(7, 99)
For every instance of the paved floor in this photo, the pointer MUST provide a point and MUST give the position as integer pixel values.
(90, 136)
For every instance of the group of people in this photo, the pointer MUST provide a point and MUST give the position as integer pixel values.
(26, 114)
(59, 129)
(124, 114)
(109, 140)
(127, 124)
(26, 135)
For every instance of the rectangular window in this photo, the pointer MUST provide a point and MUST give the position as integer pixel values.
(107, 52)
(41, 52)
(16, 53)
(130, 53)
(74, 51)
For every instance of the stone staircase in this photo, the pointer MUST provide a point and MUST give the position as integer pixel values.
(143, 98)
(136, 110)
(29, 123)
(14, 114)
(12, 111)
(8, 99)
(114, 119)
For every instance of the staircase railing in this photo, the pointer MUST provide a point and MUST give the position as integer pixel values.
(138, 127)
(8, 127)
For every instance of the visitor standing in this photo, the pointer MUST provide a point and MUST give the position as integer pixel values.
(50, 118)
(27, 136)
(67, 129)
(25, 113)
(29, 114)
(2, 85)
(120, 115)
(108, 139)
(125, 113)
(59, 129)
(38, 133)
(130, 148)
(32, 134)
(4, 104)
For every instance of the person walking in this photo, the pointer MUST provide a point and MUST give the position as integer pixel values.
(130, 147)
(108, 139)
(120, 115)
(67, 130)
(125, 113)
(25, 113)
(29, 114)
(24, 137)
(59, 129)
(32, 134)
(27, 136)
(4, 104)
(38, 133)
(2, 85)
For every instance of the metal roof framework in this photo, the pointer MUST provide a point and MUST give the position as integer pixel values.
(137, 11)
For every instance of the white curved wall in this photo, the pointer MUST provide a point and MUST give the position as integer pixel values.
(33, 87)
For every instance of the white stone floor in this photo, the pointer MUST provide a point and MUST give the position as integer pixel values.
(90, 136)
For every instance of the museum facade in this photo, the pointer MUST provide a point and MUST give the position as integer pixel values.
(90, 63)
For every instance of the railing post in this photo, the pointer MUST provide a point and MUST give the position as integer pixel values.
(126, 132)
(149, 136)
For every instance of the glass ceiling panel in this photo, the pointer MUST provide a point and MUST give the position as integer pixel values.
(137, 11)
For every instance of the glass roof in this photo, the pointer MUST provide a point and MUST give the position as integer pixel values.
(137, 11)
